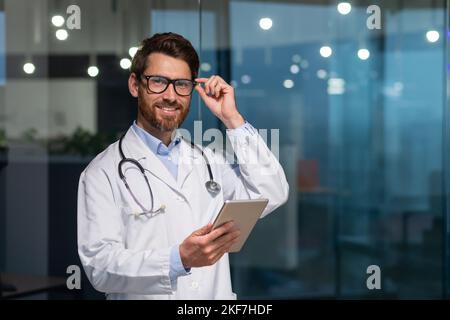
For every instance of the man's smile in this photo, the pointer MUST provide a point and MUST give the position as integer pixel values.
(168, 110)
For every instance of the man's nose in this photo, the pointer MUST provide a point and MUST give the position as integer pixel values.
(170, 94)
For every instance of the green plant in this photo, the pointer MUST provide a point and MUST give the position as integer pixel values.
(30, 135)
(81, 142)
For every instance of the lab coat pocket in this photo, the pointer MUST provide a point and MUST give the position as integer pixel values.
(143, 230)
(139, 214)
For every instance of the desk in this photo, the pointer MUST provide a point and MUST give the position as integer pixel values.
(27, 285)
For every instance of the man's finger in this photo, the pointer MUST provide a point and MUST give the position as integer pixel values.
(219, 252)
(218, 232)
(202, 92)
(204, 230)
(204, 80)
(201, 80)
(213, 86)
(226, 238)
(220, 88)
(208, 85)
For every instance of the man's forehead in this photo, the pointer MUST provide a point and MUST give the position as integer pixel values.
(164, 65)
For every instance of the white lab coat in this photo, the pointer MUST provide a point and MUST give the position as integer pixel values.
(128, 257)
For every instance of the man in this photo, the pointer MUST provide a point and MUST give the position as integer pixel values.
(144, 228)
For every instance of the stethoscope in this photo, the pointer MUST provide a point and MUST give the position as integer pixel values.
(212, 186)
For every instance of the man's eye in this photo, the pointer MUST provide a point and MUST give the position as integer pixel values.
(183, 84)
(158, 80)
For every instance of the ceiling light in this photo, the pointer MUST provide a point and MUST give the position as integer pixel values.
(125, 63)
(58, 20)
(326, 51)
(62, 34)
(344, 8)
(295, 69)
(29, 68)
(265, 23)
(363, 54)
(92, 71)
(288, 83)
(432, 36)
(132, 51)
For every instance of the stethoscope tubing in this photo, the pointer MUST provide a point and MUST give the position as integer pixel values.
(211, 185)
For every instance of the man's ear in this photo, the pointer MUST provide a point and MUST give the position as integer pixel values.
(133, 85)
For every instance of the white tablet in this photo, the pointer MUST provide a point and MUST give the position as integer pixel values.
(245, 213)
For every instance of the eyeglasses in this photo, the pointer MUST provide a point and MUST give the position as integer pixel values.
(159, 84)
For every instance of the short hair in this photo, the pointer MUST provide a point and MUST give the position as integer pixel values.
(169, 43)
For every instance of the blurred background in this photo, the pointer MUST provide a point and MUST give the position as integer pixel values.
(362, 112)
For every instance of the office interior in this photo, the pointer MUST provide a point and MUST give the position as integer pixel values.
(358, 91)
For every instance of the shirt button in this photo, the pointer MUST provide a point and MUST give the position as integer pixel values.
(194, 285)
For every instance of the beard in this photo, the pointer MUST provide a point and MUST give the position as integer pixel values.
(161, 122)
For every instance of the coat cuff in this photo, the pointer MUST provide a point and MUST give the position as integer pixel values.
(176, 266)
(244, 130)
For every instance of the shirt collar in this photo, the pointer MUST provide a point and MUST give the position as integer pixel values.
(153, 143)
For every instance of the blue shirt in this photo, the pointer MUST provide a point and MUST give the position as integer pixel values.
(167, 154)
(169, 157)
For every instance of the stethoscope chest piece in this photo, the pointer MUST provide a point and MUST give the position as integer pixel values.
(212, 187)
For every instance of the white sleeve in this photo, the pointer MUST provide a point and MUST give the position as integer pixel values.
(258, 175)
(109, 266)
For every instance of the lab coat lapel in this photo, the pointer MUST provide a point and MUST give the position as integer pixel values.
(186, 160)
(135, 148)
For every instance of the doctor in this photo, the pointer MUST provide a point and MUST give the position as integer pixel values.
(144, 223)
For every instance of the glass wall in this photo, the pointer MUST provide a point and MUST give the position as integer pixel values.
(361, 112)
(357, 91)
